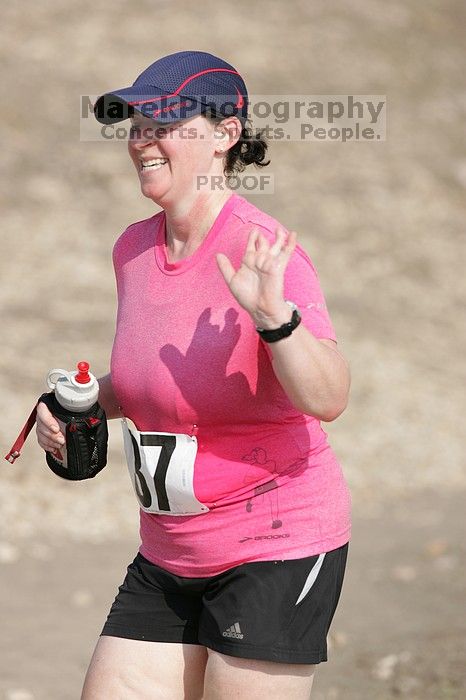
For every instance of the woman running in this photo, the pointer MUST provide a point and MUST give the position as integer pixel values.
(223, 366)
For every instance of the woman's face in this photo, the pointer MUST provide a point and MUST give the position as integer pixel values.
(169, 159)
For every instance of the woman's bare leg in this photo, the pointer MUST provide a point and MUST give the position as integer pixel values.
(130, 669)
(231, 678)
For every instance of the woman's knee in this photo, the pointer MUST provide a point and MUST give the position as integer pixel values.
(129, 669)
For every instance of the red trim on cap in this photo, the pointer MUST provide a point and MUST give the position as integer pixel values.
(191, 77)
(240, 102)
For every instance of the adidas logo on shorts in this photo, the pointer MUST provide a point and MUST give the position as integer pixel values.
(233, 631)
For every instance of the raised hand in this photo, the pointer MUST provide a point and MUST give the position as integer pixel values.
(258, 285)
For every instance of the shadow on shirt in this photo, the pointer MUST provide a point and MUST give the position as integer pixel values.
(252, 420)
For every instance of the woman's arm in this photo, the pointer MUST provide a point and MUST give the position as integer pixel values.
(314, 375)
(312, 372)
(107, 398)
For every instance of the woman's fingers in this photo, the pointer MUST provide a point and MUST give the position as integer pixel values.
(280, 238)
(49, 443)
(284, 243)
(50, 446)
(262, 244)
(291, 243)
(226, 268)
(43, 431)
(265, 256)
(44, 416)
(48, 432)
(251, 244)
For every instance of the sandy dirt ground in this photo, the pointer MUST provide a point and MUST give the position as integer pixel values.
(384, 224)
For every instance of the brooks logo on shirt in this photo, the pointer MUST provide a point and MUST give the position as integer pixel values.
(233, 631)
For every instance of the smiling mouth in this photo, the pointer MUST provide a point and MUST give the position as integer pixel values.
(154, 164)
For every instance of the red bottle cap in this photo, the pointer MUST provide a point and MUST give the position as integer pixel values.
(83, 375)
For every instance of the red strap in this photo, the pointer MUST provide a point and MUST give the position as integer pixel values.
(21, 439)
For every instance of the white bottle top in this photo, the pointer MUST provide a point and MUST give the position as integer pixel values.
(76, 391)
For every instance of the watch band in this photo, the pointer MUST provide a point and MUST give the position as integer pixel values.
(271, 336)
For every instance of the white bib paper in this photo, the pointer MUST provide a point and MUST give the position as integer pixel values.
(161, 468)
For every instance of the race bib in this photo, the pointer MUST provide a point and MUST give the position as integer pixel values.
(161, 467)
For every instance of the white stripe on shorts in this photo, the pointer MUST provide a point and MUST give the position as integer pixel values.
(314, 572)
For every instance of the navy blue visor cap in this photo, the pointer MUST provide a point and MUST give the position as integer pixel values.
(178, 87)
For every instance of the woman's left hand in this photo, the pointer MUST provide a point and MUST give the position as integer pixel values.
(258, 285)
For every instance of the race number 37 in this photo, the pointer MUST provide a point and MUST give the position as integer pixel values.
(161, 467)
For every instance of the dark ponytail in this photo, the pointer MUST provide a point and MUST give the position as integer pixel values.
(250, 148)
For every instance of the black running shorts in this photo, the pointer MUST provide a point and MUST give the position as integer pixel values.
(272, 610)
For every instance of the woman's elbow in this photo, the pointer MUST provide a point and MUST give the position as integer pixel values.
(333, 414)
(327, 413)
(334, 409)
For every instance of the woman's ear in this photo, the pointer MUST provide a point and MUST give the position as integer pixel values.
(221, 139)
(227, 133)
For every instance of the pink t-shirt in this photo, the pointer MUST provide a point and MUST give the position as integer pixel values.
(187, 354)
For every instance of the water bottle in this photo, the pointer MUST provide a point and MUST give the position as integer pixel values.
(74, 391)
(75, 395)
(73, 401)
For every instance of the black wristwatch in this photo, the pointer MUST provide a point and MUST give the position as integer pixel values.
(271, 336)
